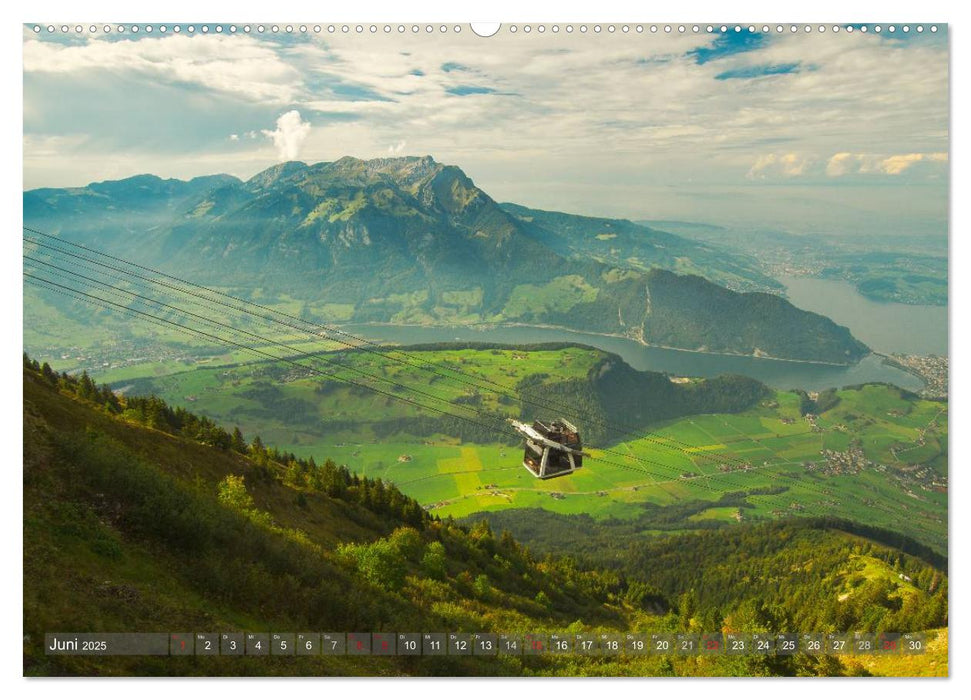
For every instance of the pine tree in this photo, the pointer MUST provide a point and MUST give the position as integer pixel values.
(86, 388)
(49, 374)
(238, 442)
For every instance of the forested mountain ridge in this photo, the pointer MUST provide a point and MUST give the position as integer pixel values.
(410, 240)
(615, 394)
(809, 573)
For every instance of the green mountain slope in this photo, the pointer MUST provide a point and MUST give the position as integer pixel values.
(689, 311)
(410, 240)
(628, 244)
(820, 574)
(131, 528)
(138, 517)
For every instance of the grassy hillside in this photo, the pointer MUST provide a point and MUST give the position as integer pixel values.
(718, 451)
(138, 517)
(835, 579)
(584, 384)
(934, 662)
(129, 528)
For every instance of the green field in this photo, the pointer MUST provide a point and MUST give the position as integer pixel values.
(898, 480)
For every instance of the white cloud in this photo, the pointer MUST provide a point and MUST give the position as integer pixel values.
(761, 164)
(641, 96)
(894, 165)
(842, 163)
(290, 133)
(397, 148)
(235, 65)
(875, 164)
(794, 164)
(839, 164)
(785, 164)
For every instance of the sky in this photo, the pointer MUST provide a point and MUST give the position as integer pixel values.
(844, 133)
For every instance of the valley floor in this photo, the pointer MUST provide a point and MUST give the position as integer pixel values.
(876, 455)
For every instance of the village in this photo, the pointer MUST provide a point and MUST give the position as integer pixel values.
(932, 369)
(908, 477)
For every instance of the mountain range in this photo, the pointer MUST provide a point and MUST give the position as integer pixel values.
(413, 241)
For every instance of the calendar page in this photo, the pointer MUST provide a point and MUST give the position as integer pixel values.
(519, 349)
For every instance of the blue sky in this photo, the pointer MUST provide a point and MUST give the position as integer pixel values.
(801, 131)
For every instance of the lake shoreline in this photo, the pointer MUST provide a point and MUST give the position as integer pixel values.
(485, 327)
(777, 373)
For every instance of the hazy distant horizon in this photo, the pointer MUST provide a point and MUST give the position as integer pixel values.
(835, 224)
(842, 133)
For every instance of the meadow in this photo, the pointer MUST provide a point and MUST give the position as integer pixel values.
(887, 467)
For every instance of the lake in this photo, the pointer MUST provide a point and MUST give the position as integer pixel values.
(885, 327)
(780, 374)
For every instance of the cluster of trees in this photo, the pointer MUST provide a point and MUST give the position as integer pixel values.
(821, 574)
(150, 411)
(336, 481)
(615, 394)
(793, 575)
(273, 403)
(482, 427)
(597, 540)
(438, 574)
(827, 399)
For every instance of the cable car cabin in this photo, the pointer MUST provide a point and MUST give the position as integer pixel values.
(552, 449)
